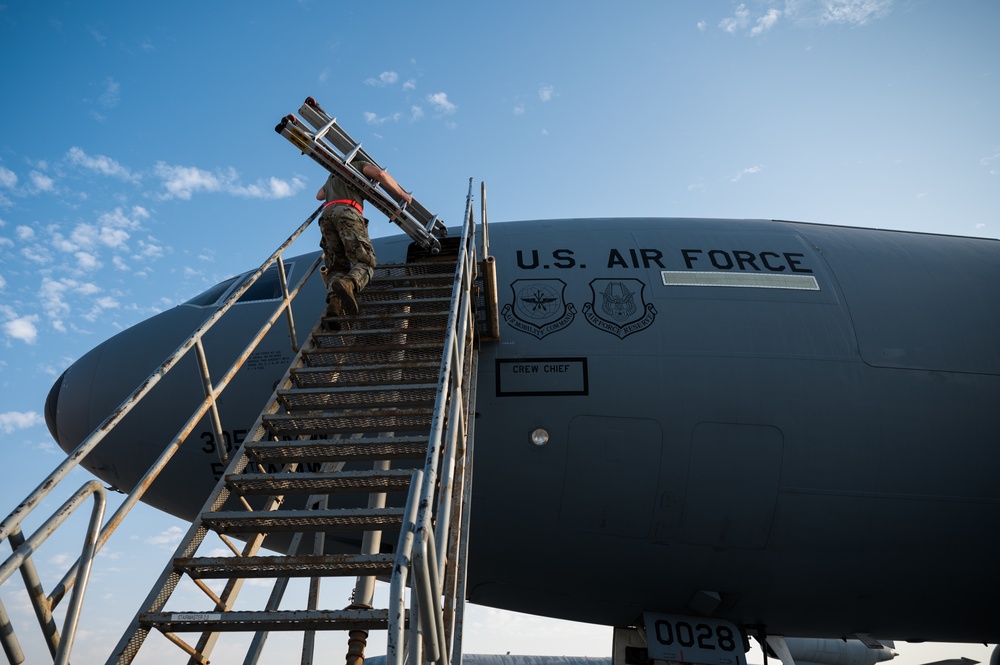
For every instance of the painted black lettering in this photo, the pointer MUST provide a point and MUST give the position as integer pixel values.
(635, 259)
(767, 264)
(689, 256)
(793, 264)
(651, 256)
(744, 259)
(615, 258)
(209, 440)
(715, 255)
(564, 255)
(534, 260)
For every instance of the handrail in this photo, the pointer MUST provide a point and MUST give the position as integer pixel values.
(10, 527)
(422, 545)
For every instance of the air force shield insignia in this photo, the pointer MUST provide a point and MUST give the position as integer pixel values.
(618, 307)
(538, 307)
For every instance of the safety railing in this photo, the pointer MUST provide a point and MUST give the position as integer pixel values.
(428, 544)
(97, 536)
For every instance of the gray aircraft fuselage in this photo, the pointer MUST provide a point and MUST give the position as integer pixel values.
(781, 424)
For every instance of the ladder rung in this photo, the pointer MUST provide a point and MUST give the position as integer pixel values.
(325, 565)
(270, 484)
(275, 521)
(297, 620)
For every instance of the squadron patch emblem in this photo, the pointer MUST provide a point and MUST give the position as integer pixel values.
(538, 307)
(618, 307)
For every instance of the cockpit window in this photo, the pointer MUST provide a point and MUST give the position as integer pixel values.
(212, 295)
(268, 287)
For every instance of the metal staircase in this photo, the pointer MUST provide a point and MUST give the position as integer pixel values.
(381, 401)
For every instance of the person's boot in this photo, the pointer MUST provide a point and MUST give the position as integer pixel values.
(334, 304)
(344, 288)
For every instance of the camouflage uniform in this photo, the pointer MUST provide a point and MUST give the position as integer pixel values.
(347, 248)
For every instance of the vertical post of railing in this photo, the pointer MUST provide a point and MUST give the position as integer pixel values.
(36, 594)
(86, 564)
(394, 651)
(11, 647)
(283, 281)
(206, 382)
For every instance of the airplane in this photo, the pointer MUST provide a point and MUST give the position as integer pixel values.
(785, 425)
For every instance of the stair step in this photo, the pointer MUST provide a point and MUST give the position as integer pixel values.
(391, 321)
(358, 397)
(338, 450)
(357, 355)
(347, 376)
(292, 620)
(337, 482)
(349, 422)
(295, 521)
(412, 293)
(325, 565)
(399, 306)
(349, 338)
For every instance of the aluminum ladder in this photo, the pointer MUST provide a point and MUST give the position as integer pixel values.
(333, 149)
(391, 388)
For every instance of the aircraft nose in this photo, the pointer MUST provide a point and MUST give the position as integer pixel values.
(52, 407)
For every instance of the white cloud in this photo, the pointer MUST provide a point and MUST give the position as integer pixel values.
(112, 93)
(410, 85)
(15, 420)
(546, 93)
(38, 254)
(519, 109)
(22, 328)
(87, 261)
(101, 164)
(738, 21)
(440, 102)
(8, 178)
(3, 283)
(25, 233)
(6, 242)
(701, 26)
(416, 113)
(41, 182)
(273, 188)
(765, 22)
(181, 182)
(384, 79)
(373, 119)
(169, 537)
(747, 171)
(855, 12)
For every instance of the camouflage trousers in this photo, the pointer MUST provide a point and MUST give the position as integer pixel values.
(347, 249)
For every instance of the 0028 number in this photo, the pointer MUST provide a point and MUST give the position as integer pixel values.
(701, 635)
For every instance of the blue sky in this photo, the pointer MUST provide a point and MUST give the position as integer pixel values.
(138, 161)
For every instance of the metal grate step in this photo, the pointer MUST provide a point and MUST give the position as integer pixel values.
(417, 292)
(297, 620)
(363, 375)
(358, 397)
(401, 420)
(337, 482)
(331, 565)
(285, 521)
(342, 450)
(397, 320)
(332, 357)
(379, 339)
